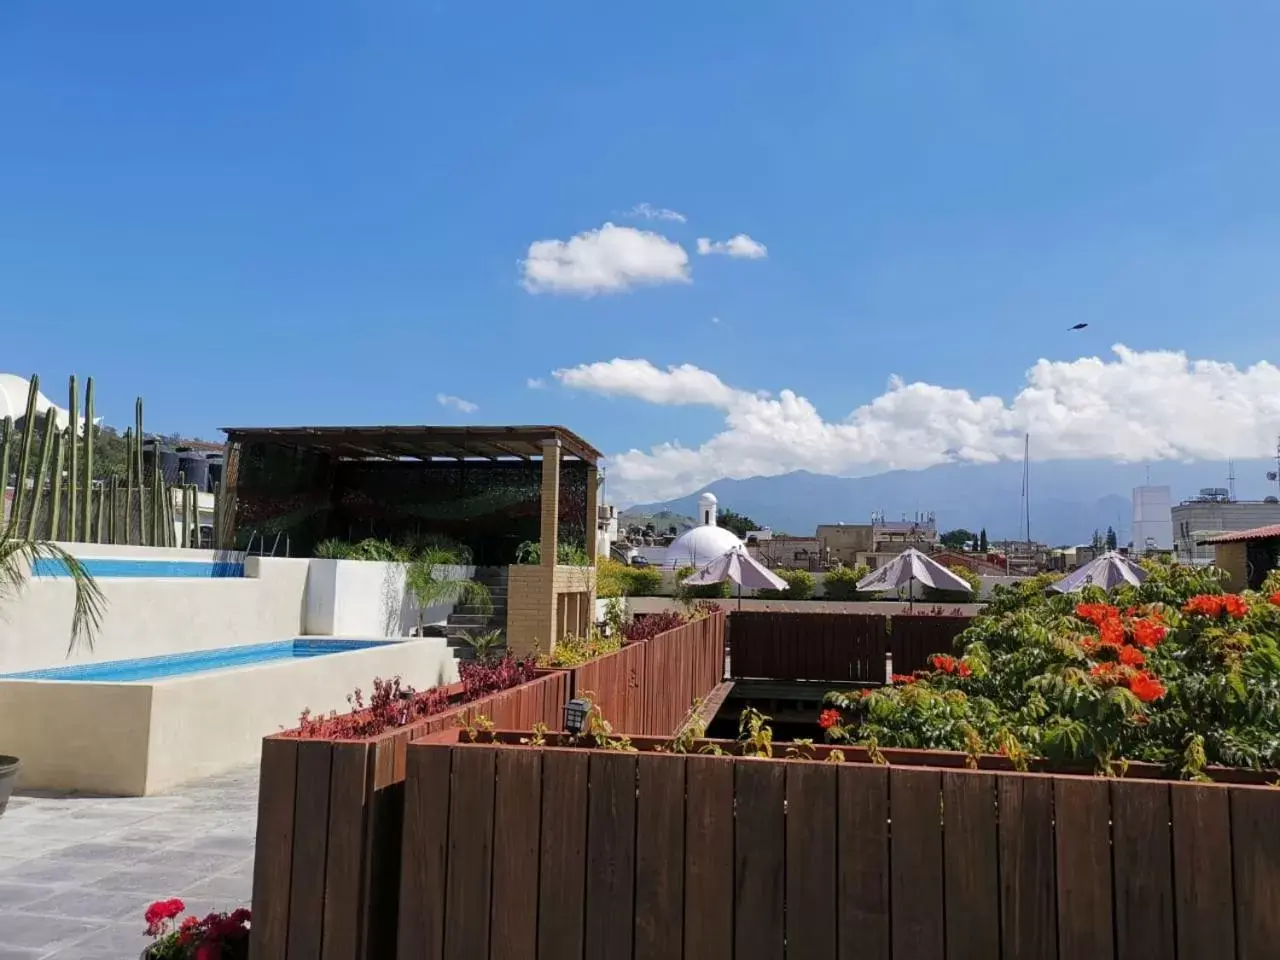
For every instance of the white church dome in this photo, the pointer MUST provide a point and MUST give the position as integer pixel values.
(703, 543)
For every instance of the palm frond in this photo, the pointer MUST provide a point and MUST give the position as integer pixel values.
(17, 557)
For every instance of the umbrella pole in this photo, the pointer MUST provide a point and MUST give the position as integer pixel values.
(739, 598)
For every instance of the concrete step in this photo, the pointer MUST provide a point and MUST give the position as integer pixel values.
(477, 620)
(496, 611)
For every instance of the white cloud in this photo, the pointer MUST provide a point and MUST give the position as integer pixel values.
(740, 246)
(715, 319)
(536, 383)
(607, 260)
(650, 212)
(1155, 405)
(457, 403)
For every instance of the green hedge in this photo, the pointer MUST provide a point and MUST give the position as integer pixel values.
(841, 583)
(713, 591)
(614, 579)
(799, 586)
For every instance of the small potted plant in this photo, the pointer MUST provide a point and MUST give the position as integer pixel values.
(219, 936)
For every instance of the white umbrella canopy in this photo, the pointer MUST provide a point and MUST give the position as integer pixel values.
(737, 566)
(907, 567)
(1108, 571)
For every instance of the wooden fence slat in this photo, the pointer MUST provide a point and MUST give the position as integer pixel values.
(1082, 809)
(1143, 870)
(708, 878)
(562, 871)
(862, 829)
(517, 827)
(1028, 894)
(310, 848)
(611, 856)
(469, 882)
(972, 865)
(273, 849)
(916, 884)
(660, 813)
(380, 875)
(349, 778)
(424, 856)
(1255, 845)
(759, 861)
(1204, 903)
(811, 859)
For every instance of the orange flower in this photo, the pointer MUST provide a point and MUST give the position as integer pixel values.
(1096, 613)
(1132, 657)
(828, 719)
(1147, 633)
(1146, 687)
(964, 669)
(1112, 633)
(941, 661)
(1107, 671)
(1235, 606)
(1209, 605)
(902, 678)
(1275, 599)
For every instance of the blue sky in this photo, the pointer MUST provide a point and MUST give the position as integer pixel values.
(317, 212)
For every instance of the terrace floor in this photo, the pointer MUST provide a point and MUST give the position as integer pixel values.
(77, 872)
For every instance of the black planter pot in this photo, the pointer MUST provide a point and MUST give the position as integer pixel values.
(9, 767)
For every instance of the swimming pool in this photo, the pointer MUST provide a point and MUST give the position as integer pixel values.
(198, 661)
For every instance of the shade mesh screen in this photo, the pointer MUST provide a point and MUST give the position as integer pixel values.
(308, 496)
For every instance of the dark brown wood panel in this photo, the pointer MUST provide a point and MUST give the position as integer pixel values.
(1028, 894)
(916, 876)
(469, 878)
(1082, 809)
(759, 860)
(424, 858)
(1255, 845)
(862, 828)
(808, 646)
(611, 856)
(562, 872)
(310, 849)
(517, 834)
(273, 848)
(1143, 870)
(708, 878)
(972, 865)
(348, 782)
(811, 859)
(660, 815)
(1203, 898)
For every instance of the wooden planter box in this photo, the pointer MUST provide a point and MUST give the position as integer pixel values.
(572, 853)
(327, 856)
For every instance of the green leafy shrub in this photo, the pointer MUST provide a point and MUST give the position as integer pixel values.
(645, 581)
(711, 591)
(615, 579)
(568, 554)
(841, 583)
(799, 586)
(1174, 672)
(574, 651)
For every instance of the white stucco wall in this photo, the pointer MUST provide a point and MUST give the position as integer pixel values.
(148, 617)
(130, 739)
(364, 598)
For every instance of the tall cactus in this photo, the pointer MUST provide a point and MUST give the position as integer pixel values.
(143, 539)
(102, 511)
(5, 443)
(73, 493)
(42, 470)
(217, 515)
(112, 530)
(24, 458)
(55, 505)
(87, 518)
(186, 509)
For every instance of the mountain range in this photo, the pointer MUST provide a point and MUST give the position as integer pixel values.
(1069, 499)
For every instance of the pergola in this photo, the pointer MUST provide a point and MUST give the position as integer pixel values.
(489, 486)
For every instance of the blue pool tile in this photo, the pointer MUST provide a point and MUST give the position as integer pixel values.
(114, 568)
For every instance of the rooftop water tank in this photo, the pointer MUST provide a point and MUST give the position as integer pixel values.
(196, 468)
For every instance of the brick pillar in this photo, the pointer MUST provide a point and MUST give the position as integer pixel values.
(593, 522)
(550, 536)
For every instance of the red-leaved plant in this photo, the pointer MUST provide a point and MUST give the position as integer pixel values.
(219, 936)
(394, 705)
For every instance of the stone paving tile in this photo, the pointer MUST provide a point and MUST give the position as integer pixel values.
(77, 872)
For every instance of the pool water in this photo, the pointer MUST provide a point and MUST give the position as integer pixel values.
(198, 661)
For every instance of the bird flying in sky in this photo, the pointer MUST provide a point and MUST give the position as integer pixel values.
(1078, 326)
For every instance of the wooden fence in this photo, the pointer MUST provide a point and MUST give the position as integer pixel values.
(647, 687)
(519, 852)
(327, 855)
(841, 647)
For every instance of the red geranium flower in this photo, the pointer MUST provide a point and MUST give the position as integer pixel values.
(1275, 599)
(1146, 687)
(828, 719)
(964, 669)
(943, 662)
(901, 678)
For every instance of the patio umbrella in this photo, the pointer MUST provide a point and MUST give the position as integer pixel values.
(908, 567)
(1108, 571)
(736, 566)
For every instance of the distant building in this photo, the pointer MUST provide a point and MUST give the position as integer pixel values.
(1211, 513)
(844, 543)
(703, 543)
(1246, 555)
(894, 536)
(1152, 520)
(790, 553)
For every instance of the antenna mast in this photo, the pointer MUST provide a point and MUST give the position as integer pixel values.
(1024, 521)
